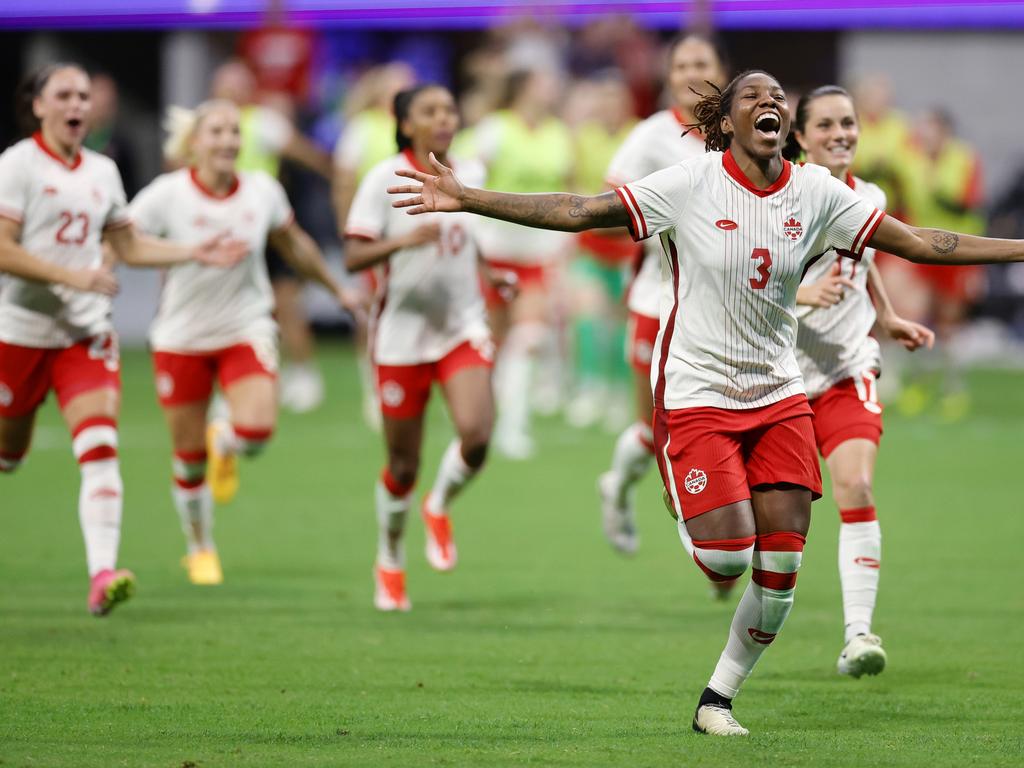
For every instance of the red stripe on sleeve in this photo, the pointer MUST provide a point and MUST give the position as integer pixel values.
(634, 227)
(639, 213)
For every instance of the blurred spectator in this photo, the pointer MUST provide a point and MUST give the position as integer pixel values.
(104, 134)
(884, 138)
(280, 55)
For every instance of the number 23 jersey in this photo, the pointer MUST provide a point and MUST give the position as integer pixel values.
(429, 301)
(734, 256)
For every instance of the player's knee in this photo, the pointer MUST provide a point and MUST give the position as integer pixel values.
(724, 559)
(853, 491)
(403, 471)
(10, 461)
(474, 450)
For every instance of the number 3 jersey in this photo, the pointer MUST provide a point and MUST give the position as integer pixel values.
(734, 256)
(835, 344)
(429, 301)
(63, 209)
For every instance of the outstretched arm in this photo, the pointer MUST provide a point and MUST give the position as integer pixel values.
(443, 191)
(937, 246)
(137, 249)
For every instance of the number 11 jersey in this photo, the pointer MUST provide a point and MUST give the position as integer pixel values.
(734, 256)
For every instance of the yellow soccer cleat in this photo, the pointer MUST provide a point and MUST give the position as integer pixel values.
(203, 567)
(221, 468)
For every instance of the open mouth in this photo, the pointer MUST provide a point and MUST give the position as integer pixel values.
(74, 122)
(768, 125)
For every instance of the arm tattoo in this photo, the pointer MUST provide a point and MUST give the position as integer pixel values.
(944, 243)
(570, 213)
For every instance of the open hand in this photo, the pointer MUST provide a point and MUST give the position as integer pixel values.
(221, 251)
(826, 292)
(101, 280)
(440, 192)
(911, 335)
(355, 302)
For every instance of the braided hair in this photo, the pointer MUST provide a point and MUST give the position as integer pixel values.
(29, 90)
(712, 107)
(793, 150)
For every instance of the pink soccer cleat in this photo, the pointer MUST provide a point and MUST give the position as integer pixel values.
(108, 588)
(389, 594)
(441, 552)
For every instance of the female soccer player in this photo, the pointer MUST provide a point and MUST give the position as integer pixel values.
(733, 429)
(217, 324)
(840, 361)
(430, 324)
(655, 143)
(58, 204)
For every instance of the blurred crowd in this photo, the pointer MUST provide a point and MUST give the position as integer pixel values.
(546, 108)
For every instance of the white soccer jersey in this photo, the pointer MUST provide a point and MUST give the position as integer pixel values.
(835, 344)
(204, 308)
(63, 210)
(430, 299)
(737, 255)
(655, 143)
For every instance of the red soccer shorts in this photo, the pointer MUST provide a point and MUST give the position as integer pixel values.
(847, 411)
(643, 331)
(527, 276)
(187, 377)
(711, 457)
(28, 373)
(405, 389)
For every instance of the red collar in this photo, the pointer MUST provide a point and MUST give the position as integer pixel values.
(410, 157)
(41, 143)
(851, 182)
(729, 163)
(194, 175)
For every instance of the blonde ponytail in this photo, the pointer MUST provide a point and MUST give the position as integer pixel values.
(181, 124)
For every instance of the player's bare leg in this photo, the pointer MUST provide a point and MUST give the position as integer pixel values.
(191, 492)
(852, 466)
(631, 460)
(15, 438)
(514, 376)
(403, 438)
(767, 532)
(471, 405)
(252, 403)
(92, 419)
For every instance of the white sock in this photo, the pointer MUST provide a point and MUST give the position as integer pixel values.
(195, 509)
(452, 476)
(761, 612)
(392, 512)
(860, 556)
(99, 512)
(514, 376)
(632, 457)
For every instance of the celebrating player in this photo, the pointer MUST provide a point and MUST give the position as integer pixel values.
(657, 142)
(217, 324)
(733, 429)
(840, 360)
(58, 204)
(430, 325)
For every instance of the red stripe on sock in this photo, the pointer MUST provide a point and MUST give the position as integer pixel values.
(394, 487)
(859, 515)
(189, 485)
(190, 457)
(713, 575)
(773, 580)
(93, 421)
(99, 453)
(728, 545)
(781, 541)
(251, 434)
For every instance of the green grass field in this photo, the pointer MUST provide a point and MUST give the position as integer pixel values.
(543, 647)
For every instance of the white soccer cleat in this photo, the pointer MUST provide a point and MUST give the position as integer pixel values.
(717, 721)
(863, 655)
(618, 521)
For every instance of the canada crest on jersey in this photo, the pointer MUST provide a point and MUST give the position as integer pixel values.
(792, 228)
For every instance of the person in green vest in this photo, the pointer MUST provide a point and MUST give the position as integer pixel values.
(368, 138)
(884, 139)
(602, 265)
(268, 137)
(941, 179)
(525, 148)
